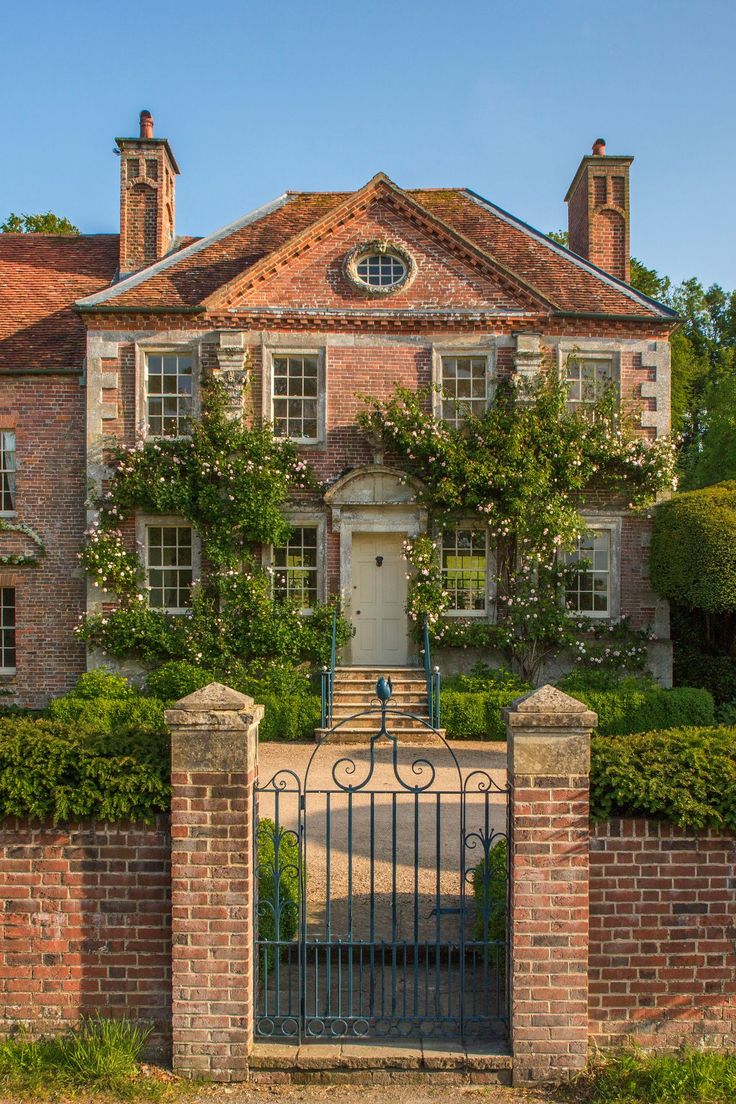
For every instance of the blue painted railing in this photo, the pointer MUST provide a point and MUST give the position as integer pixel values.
(328, 677)
(433, 681)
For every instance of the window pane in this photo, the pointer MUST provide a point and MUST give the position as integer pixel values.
(464, 568)
(7, 471)
(295, 391)
(169, 389)
(589, 591)
(463, 387)
(169, 566)
(295, 564)
(587, 381)
(7, 628)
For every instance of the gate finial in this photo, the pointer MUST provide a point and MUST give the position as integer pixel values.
(384, 688)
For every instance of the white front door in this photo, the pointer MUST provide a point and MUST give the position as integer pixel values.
(379, 600)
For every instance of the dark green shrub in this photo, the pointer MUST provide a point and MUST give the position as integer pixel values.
(475, 716)
(102, 683)
(278, 888)
(176, 679)
(715, 673)
(289, 718)
(483, 679)
(66, 772)
(686, 776)
(110, 716)
(692, 560)
(490, 890)
(639, 704)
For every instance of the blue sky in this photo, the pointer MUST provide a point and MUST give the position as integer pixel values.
(504, 97)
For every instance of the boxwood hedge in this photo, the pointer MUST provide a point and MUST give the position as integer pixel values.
(686, 776)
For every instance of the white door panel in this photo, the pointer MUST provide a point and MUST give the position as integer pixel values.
(379, 599)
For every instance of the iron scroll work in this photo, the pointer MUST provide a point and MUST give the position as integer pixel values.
(382, 892)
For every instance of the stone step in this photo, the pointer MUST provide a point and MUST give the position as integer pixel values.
(389, 1063)
(354, 697)
(349, 735)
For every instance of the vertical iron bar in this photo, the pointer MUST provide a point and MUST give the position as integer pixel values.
(372, 908)
(350, 905)
(438, 899)
(277, 902)
(393, 904)
(416, 904)
(328, 902)
(461, 941)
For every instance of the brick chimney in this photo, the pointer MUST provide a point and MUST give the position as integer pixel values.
(598, 211)
(148, 174)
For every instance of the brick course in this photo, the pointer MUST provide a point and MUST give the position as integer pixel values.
(86, 924)
(662, 935)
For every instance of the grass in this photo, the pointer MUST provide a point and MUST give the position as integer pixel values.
(101, 1056)
(633, 1077)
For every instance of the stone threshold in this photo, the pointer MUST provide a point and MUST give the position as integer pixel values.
(369, 1063)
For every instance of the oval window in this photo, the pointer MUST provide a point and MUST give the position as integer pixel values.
(380, 267)
(380, 270)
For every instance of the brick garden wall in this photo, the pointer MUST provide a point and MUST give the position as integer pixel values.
(662, 955)
(86, 924)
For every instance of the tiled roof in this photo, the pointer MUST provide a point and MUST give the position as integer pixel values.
(185, 279)
(41, 277)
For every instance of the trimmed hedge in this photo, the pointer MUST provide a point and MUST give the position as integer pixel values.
(685, 776)
(638, 704)
(473, 716)
(292, 710)
(470, 705)
(68, 772)
(692, 560)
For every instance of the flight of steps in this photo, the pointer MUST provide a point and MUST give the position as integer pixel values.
(355, 689)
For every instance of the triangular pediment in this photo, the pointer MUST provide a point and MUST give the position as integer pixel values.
(312, 270)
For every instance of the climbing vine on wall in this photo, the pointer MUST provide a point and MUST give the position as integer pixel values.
(521, 470)
(231, 482)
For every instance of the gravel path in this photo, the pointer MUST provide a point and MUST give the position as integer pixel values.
(418, 836)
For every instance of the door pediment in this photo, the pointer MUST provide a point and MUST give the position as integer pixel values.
(373, 485)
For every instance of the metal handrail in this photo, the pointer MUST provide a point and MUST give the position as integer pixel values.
(433, 680)
(328, 677)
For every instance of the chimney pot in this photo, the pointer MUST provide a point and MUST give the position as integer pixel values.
(599, 147)
(146, 124)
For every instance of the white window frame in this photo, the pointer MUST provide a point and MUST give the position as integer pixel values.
(439, 352)
(3, 669)
(611, 524)
(484, 614)
(590, 350)
(143, 523)
(305, 521)
(306, 350)
(4, 471)
(143, 350)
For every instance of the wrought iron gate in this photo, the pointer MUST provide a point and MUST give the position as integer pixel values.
(383, 888)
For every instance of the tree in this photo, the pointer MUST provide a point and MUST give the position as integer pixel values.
(37, 224)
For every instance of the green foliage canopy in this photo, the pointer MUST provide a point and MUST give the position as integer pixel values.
(47, 223)
(693, 553)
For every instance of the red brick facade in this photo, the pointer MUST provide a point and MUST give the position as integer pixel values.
(278, 279)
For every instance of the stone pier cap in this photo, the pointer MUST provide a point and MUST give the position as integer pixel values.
(214, 729)
(549, 733)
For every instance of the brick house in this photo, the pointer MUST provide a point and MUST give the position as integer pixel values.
(316, 297)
